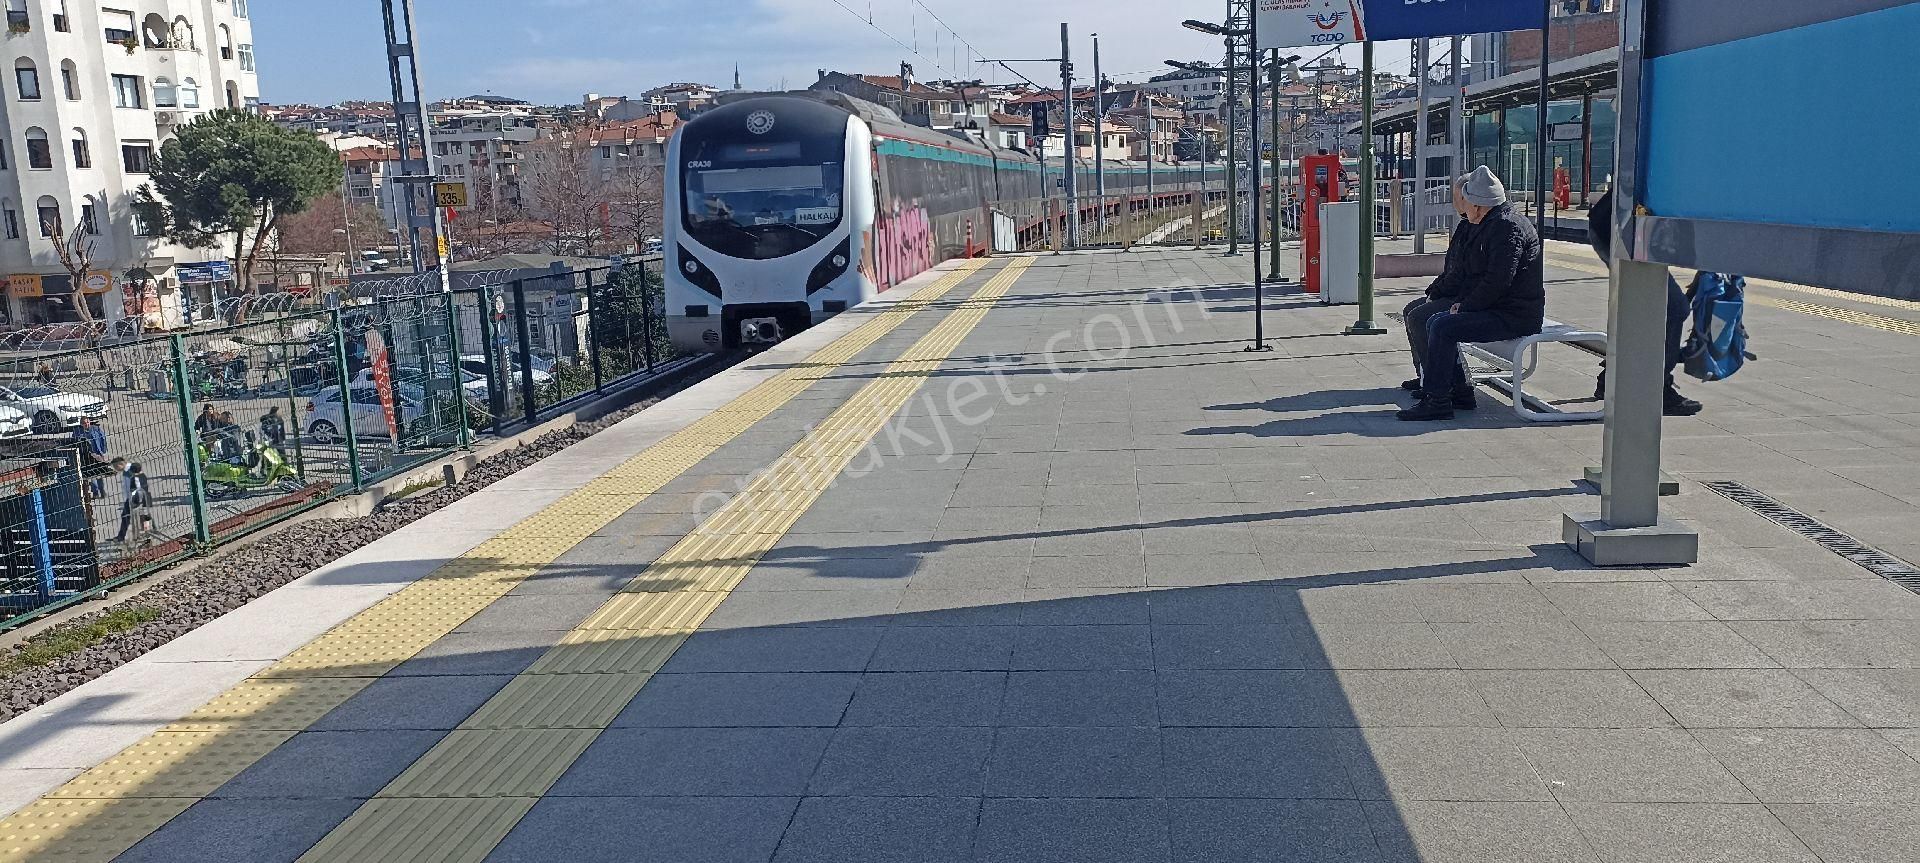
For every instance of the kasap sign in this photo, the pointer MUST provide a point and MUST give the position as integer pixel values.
(1292, 23)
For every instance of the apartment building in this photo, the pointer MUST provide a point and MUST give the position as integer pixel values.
(484, 149)
(96, 89)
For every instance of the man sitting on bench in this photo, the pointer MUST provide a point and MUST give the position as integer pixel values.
(1440, 296)
(1502, 295)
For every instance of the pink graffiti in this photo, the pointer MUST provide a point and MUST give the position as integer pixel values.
(904, 245)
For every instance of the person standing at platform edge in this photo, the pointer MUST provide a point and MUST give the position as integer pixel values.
(1503, 295)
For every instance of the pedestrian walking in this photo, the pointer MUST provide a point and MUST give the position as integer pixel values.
(92, 442)
(135, 499)
(273, 428)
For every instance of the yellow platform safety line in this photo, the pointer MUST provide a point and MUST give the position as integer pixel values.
(1859, 318)
(529, 733)
(106, 810)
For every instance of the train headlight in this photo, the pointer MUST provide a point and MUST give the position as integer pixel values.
(831, 267)
(697, 273)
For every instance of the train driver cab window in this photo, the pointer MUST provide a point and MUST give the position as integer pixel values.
(762, 211)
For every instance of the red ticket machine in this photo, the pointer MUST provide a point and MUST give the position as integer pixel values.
(1320, 177)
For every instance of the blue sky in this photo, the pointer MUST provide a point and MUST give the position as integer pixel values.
(557, 50)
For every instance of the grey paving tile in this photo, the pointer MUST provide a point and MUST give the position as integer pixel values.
(331, 764)
(840, 573)
(1674, 644)
(1475, 832)
(904, 762)
(1835, 643)
(1510, 604)
(1855, 832)
(1198, 567)
(1382, 646)
(1090, 646)
(1755, 698)
(258, 831)
(1225, 604)
(1687, 833)
(1072, 831)
(1236, 646)
(1568, 699)
(873, 607)
(551, 612)
(1633, 765)
(1090, 606)
(1640, 600)
(1362, 603)
(491, 653)
(603, 579)
(1075, 762)
(1879, 698)
(1080, 698)
(1310, 699)
(971, 573)
(1279, 831)
(730, 700)
(944, 648)
(620, 830)
(1522, 645)
(774, 649)
(1838, 765)
(1115, 568)
(1865, 599)
(1256, 762)
(928, 699)
(695, 762)
(880, 830)
(1440, 764)
(1000, 607)
(418, 703)
(1413, 698)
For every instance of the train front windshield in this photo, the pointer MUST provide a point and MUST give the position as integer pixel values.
(762, 211)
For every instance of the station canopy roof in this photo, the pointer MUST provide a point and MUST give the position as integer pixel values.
(1587, 74)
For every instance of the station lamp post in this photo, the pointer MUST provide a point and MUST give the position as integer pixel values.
(1233, 36)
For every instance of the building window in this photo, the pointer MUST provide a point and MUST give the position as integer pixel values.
(27, 77)
(137, 157)
(226, 43)
(3, 156)
(146, 221)
(49, 216)
(164, 96)
(126, 92)
(189, 94)
(246, 58)
(12, 218)
(39, 151)
(61, 24)
(82, 155)
(70, 80)
(118, 24)
(17, 20)
(239, 8)
(89, 220)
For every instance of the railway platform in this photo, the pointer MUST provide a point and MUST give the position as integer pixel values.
(1030, 561)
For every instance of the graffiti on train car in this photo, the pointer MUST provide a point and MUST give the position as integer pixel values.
(901, 246)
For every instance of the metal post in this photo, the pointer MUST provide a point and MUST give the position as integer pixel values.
(1540, 121)
(1586, 149)
(525, 332)
(455, 372)
(1457, 110)
(1253, 161)
(593, 336)
(413, 131)
(293, 409)
(1364, 326)
(1420, 134)
(1070, 183)
(1233, 148)
(183, 399)
(490, 345)
(1099, 136)
(646, 317)
(340, 380)
(1273, 203)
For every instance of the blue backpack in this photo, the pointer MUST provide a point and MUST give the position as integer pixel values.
(1718, 347)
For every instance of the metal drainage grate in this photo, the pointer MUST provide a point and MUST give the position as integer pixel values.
(1874, 560)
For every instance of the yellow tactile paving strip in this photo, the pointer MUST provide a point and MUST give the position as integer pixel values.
(106, 810)
(523, 739)
(1851, 316)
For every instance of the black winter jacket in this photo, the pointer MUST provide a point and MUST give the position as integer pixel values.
(1449, 284)
(1504, 272)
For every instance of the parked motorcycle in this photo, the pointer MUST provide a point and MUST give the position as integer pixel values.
(259, 466)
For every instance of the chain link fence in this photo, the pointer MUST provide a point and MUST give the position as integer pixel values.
(118, 459)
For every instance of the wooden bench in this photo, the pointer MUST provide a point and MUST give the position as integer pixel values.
(1515, 360)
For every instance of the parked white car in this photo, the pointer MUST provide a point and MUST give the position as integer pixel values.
(477, 365)
(14, 423)
(51, 410)
(475, 385)
(326, 417)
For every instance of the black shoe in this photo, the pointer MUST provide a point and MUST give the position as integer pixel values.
(1411, 385)
(1674, 404)
(1465, 400)
(1427, 410)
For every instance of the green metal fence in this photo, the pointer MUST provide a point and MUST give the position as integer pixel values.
(118, 460)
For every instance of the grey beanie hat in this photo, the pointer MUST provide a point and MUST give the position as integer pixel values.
(1483, 189)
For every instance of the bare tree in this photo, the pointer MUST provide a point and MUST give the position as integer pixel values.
(563, 191)
(491, 225)
(634, 194)
(317, 229)
(76, 257)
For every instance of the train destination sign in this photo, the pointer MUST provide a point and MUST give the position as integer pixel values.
(1294, 23)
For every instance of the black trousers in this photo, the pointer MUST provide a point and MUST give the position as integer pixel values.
(1415, 317)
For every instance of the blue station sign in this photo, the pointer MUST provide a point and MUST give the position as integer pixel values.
(1296, 23)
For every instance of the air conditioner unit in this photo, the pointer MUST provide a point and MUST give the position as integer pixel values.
(166, 118)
